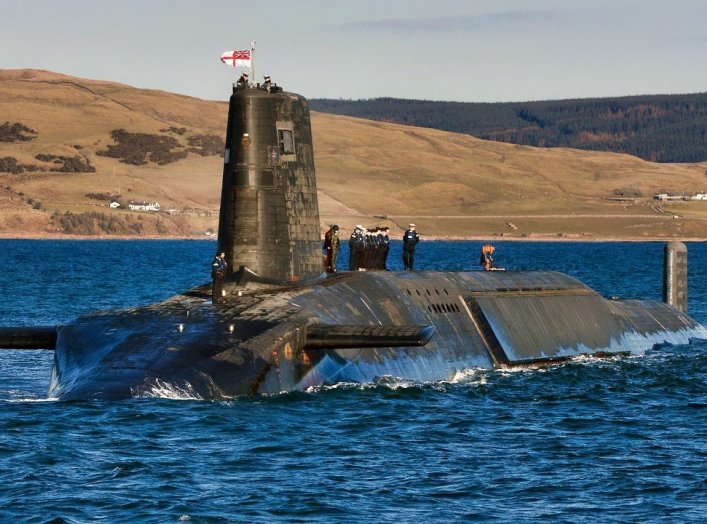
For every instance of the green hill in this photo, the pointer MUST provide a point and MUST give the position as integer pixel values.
(659, 128)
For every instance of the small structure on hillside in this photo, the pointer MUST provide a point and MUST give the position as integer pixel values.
(144, 206)
(672, 196)
(669, 196)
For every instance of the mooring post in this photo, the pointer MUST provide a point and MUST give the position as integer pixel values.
(675, 275)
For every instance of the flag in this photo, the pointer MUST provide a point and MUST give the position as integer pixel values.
(236, 58)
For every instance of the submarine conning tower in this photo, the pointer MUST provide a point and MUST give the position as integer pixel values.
(269, 219)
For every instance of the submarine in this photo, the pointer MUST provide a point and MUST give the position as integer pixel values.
(283, 324)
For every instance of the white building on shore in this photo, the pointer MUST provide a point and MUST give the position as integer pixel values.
(144, 206)
(669, 196)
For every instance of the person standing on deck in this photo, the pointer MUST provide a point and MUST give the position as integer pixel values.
(486, 258)
(410, 240)
(356, 246)
(331, 247)
(218, 273)
(385, 247)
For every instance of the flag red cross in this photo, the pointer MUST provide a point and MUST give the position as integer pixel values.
(237, 55)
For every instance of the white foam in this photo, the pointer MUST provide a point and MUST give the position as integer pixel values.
(161, 389)
(395, 383)
(338, 385)
(470, 377)
(386, 381)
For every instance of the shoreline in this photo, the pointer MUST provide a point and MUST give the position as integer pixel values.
(102, 237)
(430, 238)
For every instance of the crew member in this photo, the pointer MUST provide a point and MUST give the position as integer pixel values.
(376, 248)
(369, 248)
(218, 273)
(243, 80)
(386, 247)
(331, 248)
(486, 259)
(266, 82)
(410, 240)
(356, 247)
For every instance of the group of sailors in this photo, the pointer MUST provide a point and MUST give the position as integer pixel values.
(368, 248)
(243, 82)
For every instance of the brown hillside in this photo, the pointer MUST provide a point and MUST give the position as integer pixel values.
(449, 184)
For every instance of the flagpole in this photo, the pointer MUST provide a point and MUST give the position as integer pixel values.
(252, 60)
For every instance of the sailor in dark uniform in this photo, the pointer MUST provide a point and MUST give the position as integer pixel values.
(385, 247)
(372, 249)
(375, 248)
(410, 240)
(242, 81)
(218, 273)
(266, 83)
(356, 247)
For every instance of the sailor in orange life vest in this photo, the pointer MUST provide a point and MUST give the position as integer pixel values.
(486, 259)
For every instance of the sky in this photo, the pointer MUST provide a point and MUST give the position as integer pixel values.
(462, 50)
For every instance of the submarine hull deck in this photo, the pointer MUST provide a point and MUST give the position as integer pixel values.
(261, 341)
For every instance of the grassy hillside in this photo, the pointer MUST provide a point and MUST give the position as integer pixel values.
(662, 128)
(61, 131)
(74, 117)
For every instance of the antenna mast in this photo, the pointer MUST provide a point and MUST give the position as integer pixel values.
(252, 60)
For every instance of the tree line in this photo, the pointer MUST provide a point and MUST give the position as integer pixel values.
(659, 128)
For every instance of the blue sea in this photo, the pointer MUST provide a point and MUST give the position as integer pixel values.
(593, 440)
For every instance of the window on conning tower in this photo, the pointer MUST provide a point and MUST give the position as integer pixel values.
(287, 141)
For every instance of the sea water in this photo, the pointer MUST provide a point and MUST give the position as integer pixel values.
(592, 440)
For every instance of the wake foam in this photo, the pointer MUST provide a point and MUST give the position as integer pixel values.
(384, 382)
(471, 376)
(23, 398)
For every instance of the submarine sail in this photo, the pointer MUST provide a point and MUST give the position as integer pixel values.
(269, 219)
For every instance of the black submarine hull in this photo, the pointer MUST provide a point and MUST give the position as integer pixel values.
(261, 342)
